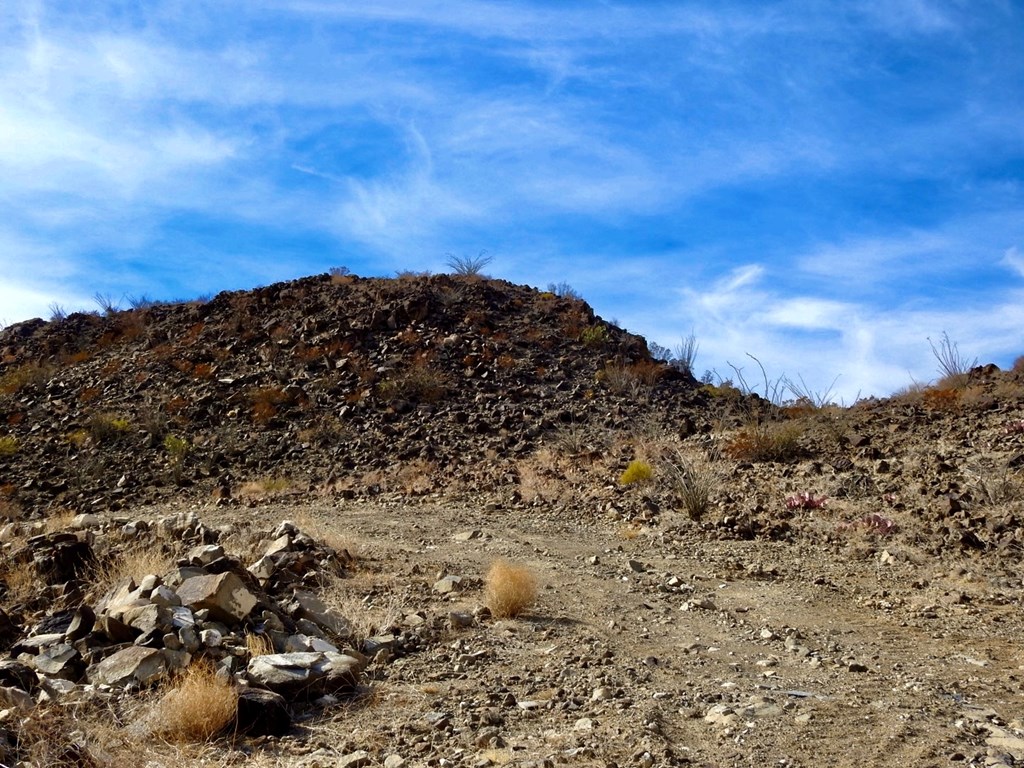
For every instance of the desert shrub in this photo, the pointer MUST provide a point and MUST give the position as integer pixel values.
(941, 398)
(52, 735)
(563, 290)
(765, 441)
(682, 358)
(16, 379)
(420, 382)
(633, 379)
(594, 335)
(198, 706)
(107, 428)
(265, 402)
(135, 560)
(265, 487)
(468, 266)
(873, 524)
(693, 481)
(8, 445)
(107, 304)
(510, 589)
(996, 485)
(637, 472)
(341, 275)
(954, 369)
(178, 449)
(258, 644)
(724, 390)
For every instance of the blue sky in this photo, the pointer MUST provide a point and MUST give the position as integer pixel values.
(823, 185)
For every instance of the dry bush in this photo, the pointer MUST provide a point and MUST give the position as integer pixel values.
(107, 428)
(575, 441)
(510, 589)
(8, 445)
(26, 375)
(265, 402)
(536, 483)
(416, 478)
(629, 531)
(53, 737)
(765, 441)
(370, 607)
(199, 706)
(632, 380)
(942, 398)
(693, 479)
(419, 383)
(341, 276)
(996, 485)
(954, 368)
(19, 579)
(329, 532)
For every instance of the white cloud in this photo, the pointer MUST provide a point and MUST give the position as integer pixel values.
(1014, 259)
(872, 350)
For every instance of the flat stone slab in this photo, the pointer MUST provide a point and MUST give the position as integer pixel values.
(308, 673)
(132, 664)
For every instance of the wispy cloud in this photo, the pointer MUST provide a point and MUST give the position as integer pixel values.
(823, 189)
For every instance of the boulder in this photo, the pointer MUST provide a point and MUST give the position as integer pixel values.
(16, 674)
(309, 606)
(133, 664)
(223, 595)
(262, 713)
(309, 674)
(60, 661)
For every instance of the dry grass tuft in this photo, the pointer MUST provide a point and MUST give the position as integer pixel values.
(265, 488)
(198, 707)
(19, 580)
(510, 590)
(135, 561)
(258, 645)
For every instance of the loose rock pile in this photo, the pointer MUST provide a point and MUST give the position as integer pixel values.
(259, 624)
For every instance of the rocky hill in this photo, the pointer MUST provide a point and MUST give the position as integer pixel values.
(330, 383)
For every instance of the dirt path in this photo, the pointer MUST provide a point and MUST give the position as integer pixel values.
(658, 646)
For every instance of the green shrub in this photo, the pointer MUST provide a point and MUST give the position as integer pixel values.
(107, 428)
(8, 445)
(177, 447)
(594, 336)
(637, 472)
